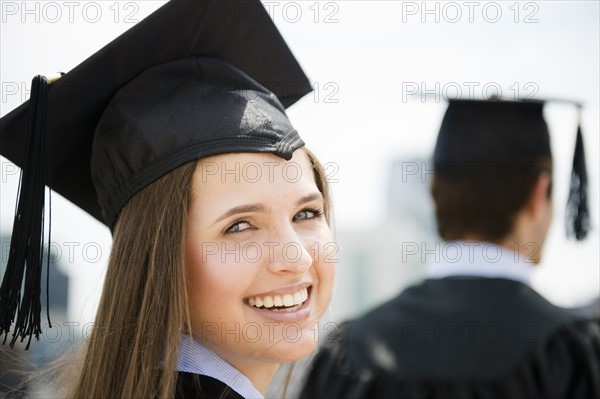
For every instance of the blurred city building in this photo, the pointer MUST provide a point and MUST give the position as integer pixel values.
(19, 368)
(376, 264)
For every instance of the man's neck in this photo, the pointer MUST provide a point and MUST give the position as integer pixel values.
(529, 249)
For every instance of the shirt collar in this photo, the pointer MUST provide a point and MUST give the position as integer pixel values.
(480, 259)
(198, 359)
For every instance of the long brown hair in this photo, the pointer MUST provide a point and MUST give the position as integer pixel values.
(134, 347)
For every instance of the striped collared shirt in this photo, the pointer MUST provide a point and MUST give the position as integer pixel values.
(198, 359)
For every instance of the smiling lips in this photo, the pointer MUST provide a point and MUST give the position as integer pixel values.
(280, 303)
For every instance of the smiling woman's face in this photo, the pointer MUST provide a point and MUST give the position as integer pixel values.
(260, 258)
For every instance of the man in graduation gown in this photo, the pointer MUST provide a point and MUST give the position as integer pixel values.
(475, 328)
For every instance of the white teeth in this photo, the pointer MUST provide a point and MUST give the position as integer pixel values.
(297, 298)
(291, 302)
(292, 309)
(288, 300)
(277, 301)
(268, 302)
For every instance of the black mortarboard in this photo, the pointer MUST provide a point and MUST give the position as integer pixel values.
(503, 133)
(195, 78)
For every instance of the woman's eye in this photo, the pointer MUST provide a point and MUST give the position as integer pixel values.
(238, 227)
(307, 214)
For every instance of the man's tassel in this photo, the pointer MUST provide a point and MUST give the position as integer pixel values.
(578, 215)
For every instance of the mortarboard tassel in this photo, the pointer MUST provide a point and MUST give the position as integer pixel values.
(24, 268)
(578, 215)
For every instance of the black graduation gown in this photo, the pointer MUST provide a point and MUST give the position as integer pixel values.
(461, 338)
(194, 386)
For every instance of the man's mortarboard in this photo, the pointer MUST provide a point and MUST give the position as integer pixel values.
(504, 133)
(195, 78)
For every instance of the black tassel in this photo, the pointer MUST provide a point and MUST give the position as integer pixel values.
(578, 214)
(21, 286)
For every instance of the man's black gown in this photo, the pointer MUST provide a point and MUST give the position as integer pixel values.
(459, 337)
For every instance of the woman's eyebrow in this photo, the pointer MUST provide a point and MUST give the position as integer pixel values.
(310, 197)
(241, 209)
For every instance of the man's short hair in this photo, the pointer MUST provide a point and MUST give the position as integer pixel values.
(482, 200)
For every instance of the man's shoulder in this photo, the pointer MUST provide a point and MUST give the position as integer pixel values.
(566, 365)
(457, 298)
(418, 341)
(430, 326)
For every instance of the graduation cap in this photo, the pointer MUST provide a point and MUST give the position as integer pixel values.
(195, 78)
(504, 133)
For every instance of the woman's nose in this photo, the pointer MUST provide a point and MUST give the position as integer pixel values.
(287, 253)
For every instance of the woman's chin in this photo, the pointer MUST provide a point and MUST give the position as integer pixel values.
(288, 351)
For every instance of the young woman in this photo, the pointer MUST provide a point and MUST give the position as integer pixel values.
(213, 274)
(222, 260)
